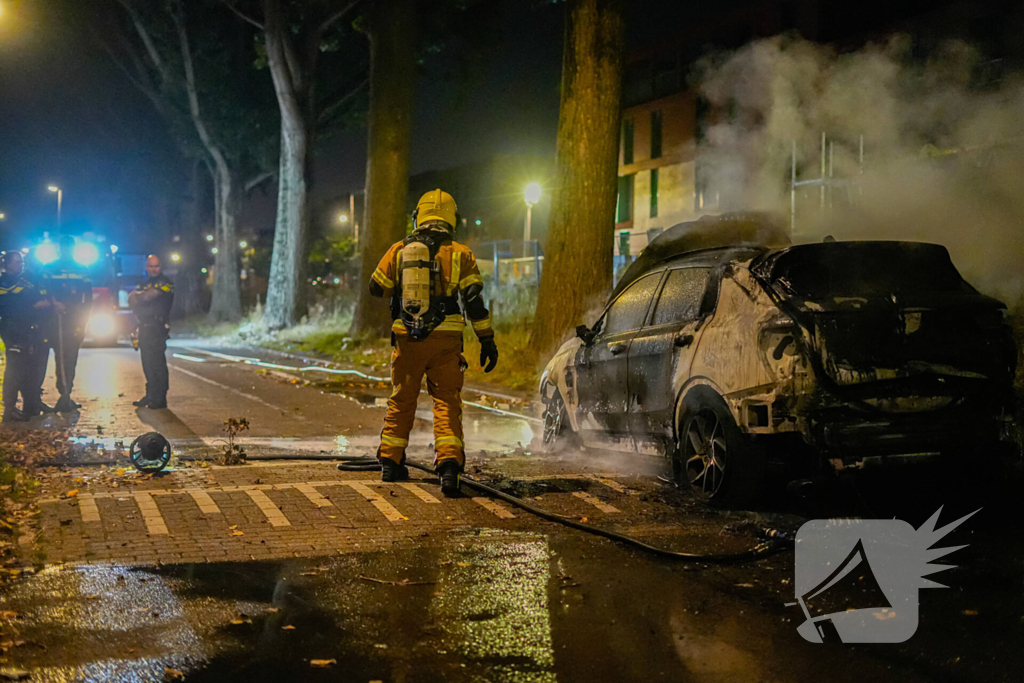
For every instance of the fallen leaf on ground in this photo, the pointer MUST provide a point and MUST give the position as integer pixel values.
(14, 674)
(273, 609)
(971, 612)
(233, 526)
(237, 622)
(321, 663)
(744, 585)
(403, 582)
(71, 494)
(289, 627)
(174, 673)
(237, 533)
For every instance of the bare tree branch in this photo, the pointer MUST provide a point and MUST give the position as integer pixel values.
(329, 110)
(241, 15)
(147, 41)
(257, 180)
(190, 87)
(334, 18)
(145, 88)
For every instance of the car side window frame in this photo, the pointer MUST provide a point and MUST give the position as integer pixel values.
(713, 273)
(599, 326)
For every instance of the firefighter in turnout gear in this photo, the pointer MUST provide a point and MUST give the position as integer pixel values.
(70, 286)
(152, 306)
(425, 275)
(24, 310)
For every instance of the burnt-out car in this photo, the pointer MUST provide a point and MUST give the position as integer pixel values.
(730, 351)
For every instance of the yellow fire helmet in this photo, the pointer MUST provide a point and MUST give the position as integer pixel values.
(436, 205)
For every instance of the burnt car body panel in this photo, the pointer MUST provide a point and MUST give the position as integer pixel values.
(863, 349)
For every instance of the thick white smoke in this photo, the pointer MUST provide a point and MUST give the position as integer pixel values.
(943, 149)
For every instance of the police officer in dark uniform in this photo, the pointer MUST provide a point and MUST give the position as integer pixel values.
(152, 306)
(69, 285)
(24, 309)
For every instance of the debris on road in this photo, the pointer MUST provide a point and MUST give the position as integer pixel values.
(403, 582)
(322, 663)
(234, 454)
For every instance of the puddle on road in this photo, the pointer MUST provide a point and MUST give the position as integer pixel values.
(483, 431)
(101, 624)
(480, 614)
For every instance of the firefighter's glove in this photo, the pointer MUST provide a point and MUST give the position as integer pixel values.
(488, 354)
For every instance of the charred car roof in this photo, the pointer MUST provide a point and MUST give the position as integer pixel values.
(753, 232)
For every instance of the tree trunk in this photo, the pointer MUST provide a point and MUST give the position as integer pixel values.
(226, 305)
(392, 32)
(188, 283)
(287, 266)
(578, 255)
(227, 302)
(293, 85)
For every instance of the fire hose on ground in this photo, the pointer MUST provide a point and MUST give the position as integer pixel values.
(151, 452)
(774, 541)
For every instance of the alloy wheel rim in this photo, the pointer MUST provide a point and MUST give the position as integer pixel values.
(704, 450)
(553, 419)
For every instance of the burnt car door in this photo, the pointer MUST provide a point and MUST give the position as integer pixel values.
(602, 365)
(663, 348)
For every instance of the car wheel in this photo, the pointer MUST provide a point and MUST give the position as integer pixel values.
(558, 432)
(712, 457)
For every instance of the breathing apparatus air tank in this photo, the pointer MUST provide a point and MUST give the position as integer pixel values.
(416, 279)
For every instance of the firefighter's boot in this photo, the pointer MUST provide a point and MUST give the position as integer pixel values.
(392, 471)
(448, 473)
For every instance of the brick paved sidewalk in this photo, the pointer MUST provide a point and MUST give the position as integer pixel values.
(274, 510)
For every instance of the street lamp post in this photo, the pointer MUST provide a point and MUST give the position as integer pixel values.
(532, 196)
(60, 199)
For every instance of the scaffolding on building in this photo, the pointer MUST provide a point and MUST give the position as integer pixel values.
(826, 182)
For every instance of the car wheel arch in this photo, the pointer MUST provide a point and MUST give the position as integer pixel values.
(700, 385)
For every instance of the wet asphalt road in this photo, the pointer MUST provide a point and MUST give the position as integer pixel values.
(454, 590)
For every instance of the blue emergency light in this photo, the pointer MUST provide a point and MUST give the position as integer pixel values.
(85, 254)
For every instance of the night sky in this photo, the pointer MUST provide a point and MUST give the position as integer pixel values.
(68, 116)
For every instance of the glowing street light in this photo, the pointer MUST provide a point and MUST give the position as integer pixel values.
(243, 244)
(532, 193)
(175, 257)
(214, 250)
(343, 218)
(3, 216)
(209, 238)
(60, 199)
(113, 248)
(532, 196)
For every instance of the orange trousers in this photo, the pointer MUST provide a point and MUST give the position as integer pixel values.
(439, 357)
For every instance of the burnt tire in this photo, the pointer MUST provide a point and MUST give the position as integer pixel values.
(558, 433)
(712, 457)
